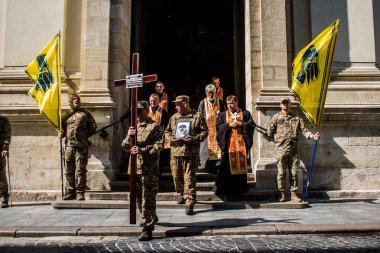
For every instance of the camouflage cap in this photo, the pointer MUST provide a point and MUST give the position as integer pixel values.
(285, 99)
(142, 105)
(182, 98)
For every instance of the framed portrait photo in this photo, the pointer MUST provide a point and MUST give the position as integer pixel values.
(182, 129)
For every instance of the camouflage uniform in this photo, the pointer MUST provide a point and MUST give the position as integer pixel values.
(284, 131)
(5, 140)
(184, 157)
(78, 126)
(150, 141)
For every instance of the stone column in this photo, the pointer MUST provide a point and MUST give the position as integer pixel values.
(270, 72)
(94, 87)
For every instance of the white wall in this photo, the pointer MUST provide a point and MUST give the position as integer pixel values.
(30, 25)
(356, 41)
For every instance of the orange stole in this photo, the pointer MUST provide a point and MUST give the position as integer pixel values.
(156, 116)
(164, 101)
(219, 93)
(214, 152)
(236, 151)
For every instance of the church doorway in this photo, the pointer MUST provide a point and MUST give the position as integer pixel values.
(186, 43)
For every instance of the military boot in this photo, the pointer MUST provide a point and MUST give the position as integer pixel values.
(294, 197)
(4, 203)
(181, 201)
(69, 196)
(146, 235)
(189, 210)
(80, 196)
(281, 196)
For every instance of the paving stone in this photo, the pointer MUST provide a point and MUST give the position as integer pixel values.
(253, 243)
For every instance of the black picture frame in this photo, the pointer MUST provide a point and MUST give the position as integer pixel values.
(182, 129)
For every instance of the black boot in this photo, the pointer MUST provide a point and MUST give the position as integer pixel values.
(4, 203)
(189, 210)
(181, 201)
(146, 235)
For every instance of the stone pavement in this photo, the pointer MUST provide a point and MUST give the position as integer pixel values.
(252, 243)
(323, 216)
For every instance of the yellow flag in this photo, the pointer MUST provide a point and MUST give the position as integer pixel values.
(311, 74)
(45, 72)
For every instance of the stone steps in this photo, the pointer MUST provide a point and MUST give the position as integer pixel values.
(118, 204)
(172, 196)
(168, 186)
(167, 176)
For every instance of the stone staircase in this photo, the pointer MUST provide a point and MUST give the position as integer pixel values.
(118, 197)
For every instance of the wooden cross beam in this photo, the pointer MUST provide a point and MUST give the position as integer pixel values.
(132, 159)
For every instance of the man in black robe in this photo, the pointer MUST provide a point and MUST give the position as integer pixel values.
(232, 184)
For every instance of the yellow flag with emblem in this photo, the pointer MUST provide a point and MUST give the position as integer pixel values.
(311, 74)
(45, 72)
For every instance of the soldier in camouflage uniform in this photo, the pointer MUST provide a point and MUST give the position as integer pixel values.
(184, 153)
(78, 125)
(283, 130)
(149, 144)
(5, 140)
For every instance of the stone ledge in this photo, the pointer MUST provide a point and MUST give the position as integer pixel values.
(109, 231)
(46, 231)
(246, 230)
(8, 231)
(326, 228)
(191, 231)
(119, 204)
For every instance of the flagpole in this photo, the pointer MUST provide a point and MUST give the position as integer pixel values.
(61, 152)
(9, 182)
(310, 170)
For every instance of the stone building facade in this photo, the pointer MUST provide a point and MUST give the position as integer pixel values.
(96, 49)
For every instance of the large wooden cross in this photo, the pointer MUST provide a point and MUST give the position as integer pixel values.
(133, 160)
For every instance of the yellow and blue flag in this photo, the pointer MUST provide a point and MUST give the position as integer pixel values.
(311, 74)
(45, 72)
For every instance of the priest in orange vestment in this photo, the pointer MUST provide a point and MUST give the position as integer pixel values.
(210, 107)
(235, 128)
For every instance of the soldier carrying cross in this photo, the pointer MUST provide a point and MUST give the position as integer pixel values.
(144, 143)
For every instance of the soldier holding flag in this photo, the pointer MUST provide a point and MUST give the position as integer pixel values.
(310, 80)
(77, 125)
(284, 129)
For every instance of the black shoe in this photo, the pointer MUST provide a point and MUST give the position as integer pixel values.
(4, 204)
(181, 201)
(146, 235)
(189, 211)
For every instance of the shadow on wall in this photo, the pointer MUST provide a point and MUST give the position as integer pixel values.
(345, 149)
(376, 23)
(323, 13)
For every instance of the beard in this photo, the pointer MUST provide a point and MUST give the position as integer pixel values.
(211, 100)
